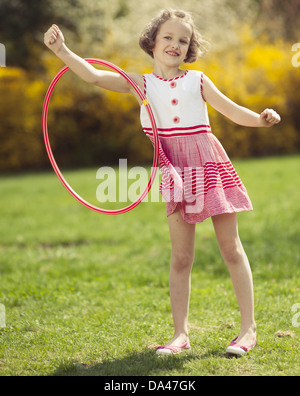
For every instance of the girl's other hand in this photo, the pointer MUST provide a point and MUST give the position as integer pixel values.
(269, 117)
(54, 39)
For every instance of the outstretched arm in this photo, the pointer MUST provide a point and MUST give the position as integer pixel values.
(55, 41)
(238, 114)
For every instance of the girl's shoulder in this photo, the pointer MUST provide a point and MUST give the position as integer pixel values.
(137, 78)
(196, 73)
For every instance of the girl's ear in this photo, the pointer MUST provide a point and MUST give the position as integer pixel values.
(151, 51)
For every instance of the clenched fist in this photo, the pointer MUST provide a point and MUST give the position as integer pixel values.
(269, 117)
(54, 39)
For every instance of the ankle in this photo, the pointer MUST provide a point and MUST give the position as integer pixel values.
(249, 329)
(180, 338)
(181, 334)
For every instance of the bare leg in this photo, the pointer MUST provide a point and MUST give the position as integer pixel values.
(232, 251)
(183, 245)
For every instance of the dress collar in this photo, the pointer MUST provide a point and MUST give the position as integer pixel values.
(171, 79)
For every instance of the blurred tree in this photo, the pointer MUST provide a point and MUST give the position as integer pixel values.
(280, 19)
(215, 19)
(85, 23)
(21, 101)
(90, 125)
(22, 27)
(257, 74)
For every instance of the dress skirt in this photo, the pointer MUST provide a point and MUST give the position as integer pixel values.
(198, 178)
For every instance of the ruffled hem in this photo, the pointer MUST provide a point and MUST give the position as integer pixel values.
(215, 202)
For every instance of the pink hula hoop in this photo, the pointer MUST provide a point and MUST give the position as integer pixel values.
(51, 156)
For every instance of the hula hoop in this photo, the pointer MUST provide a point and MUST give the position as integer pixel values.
(51, 156)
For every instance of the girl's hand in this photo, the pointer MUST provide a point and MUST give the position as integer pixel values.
(269, 117)
(54, 39)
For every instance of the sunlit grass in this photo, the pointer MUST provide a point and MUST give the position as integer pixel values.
(87, 294)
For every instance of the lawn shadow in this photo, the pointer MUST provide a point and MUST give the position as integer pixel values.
(143, 363)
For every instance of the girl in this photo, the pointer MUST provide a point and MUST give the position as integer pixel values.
(198, 179)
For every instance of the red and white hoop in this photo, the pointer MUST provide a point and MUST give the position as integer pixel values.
(51, 156)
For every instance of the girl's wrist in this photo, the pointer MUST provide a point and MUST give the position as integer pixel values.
(61, 51)
(261, 122)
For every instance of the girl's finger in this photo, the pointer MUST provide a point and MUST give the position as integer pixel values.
(53, 39)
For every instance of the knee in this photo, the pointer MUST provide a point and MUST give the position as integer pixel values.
(182, 261)
(232, 252)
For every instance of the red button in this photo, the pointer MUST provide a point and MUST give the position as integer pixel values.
(173, 84)
(176, 120)
(175, 102)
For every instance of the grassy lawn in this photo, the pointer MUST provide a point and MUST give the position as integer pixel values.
(87, 294)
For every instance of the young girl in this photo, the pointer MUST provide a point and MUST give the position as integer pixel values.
(198, 179)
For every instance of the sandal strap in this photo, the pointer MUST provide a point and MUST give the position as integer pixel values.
(176, 349)
(246, 349)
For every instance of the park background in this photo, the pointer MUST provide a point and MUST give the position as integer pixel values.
(250, 60)
(87, 294)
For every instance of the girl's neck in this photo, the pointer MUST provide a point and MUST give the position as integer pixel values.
(168, 73)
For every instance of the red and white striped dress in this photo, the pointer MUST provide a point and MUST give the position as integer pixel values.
(197, 175)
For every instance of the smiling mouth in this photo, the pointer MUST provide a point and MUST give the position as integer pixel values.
(172, 53)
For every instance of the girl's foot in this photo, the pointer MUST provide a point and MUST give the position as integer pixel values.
(178, 344)
(242, 344)
(172, 350)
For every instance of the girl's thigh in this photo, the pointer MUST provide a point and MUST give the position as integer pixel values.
(226, 226)
(182, 234)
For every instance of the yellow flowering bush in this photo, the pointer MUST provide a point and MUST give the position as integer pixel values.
(258, 75)
(89, 126)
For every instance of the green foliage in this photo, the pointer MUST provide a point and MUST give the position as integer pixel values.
(256, 74)
(20, 113)
(91, 127)
(22, 26)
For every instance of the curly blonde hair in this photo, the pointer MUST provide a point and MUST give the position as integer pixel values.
(198, 46)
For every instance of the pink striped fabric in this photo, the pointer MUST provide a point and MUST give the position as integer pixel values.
(188, 131)
(202, 183)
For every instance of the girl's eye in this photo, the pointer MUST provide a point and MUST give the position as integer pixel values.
(168, 37)
(183, 42)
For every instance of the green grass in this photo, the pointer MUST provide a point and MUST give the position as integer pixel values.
(87, 294)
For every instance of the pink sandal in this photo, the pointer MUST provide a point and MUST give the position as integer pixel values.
(237, 349)
(173, 350)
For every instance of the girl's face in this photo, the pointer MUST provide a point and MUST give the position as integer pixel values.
(172, 42)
